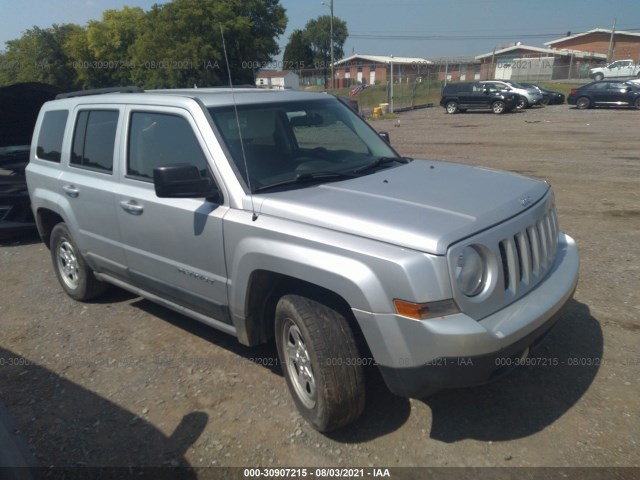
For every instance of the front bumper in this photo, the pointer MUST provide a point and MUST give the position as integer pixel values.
(419, 357)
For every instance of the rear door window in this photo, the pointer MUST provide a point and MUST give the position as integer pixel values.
(94, 140)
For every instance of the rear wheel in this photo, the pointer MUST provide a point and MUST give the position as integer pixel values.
(319, 357)
(583, 103)
(545, 100)
(598, 76)
(451, 107)
(522, 103)
(637, 103)
(75, 276)
(498, 107)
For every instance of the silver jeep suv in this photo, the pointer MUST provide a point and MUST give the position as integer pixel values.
(283, 216)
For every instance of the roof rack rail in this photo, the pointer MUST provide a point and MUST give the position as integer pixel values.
(100, 91)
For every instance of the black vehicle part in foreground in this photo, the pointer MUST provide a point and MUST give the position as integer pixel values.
(19, 104)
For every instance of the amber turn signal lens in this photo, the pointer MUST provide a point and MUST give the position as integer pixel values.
(422, 311)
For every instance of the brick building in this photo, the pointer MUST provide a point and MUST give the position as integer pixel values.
(524, 62)
(376, 69)
(622, 45)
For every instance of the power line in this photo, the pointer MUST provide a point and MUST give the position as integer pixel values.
(454, 37)
(371, 36)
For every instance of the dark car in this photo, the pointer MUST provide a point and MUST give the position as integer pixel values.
(549, 97)
(19, 107)
(607, 93)
(463, 96)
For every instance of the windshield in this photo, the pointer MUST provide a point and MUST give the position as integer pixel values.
(286, 142)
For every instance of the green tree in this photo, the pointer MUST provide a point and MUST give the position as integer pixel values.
(298, 53)
(109, 45)
(181, 43)
(40, 55)
(318, 34)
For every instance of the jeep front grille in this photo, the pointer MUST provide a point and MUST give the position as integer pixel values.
(520, 253)
(527, 255)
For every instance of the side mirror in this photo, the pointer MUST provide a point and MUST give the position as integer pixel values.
(385, 136)
(182, 180)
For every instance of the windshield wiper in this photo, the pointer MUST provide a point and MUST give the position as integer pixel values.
(379, 162)
(307, 177)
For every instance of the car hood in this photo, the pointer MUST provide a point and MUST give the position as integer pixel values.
(423, 205)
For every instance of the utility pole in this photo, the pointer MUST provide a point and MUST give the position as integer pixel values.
(391, 85)
(331, 42)
(610, 51)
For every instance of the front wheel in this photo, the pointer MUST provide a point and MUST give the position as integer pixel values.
(598, 76)
(452, 107)
(320, 360)
(637, 103)
(583, 103)
(75, 276)
(497, 107)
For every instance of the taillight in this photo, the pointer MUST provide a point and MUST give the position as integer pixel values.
(573, 91)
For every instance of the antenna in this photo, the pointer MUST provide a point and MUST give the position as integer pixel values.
(254, 217)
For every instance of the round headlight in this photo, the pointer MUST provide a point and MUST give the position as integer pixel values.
(470, 272)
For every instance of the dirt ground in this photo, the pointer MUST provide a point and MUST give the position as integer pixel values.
(122, 381)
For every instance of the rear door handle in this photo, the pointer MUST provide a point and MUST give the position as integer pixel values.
(71, 191)
(132, 207)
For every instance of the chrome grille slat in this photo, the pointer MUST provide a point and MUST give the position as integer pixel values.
(525, 256)
(529, 253)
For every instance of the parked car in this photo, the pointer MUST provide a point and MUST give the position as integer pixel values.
(528, 96)
(282, 215)
(616, 70)
(549, 97)
(463, 96)
(19, 107)
(606, 93)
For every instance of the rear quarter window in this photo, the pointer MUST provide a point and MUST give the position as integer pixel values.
(51, 134)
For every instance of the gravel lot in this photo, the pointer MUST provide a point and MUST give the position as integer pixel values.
(123, 382)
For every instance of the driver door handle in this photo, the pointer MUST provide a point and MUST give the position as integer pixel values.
(132, 207)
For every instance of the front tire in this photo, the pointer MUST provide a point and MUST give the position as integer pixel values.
(637, 103)
(75, 276)
(319, 358)
(583, 103)
(598, 76)
(498, 107)
(451, 107)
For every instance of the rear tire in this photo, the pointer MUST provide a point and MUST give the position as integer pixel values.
(451, 107)
(498, 107)
(545, 100)
(75, 276)
(522, 104)
(583, 103)
(598, 76)
(637, 103)
(320, 362)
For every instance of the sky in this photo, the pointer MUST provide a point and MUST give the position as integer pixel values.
(408, 28)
